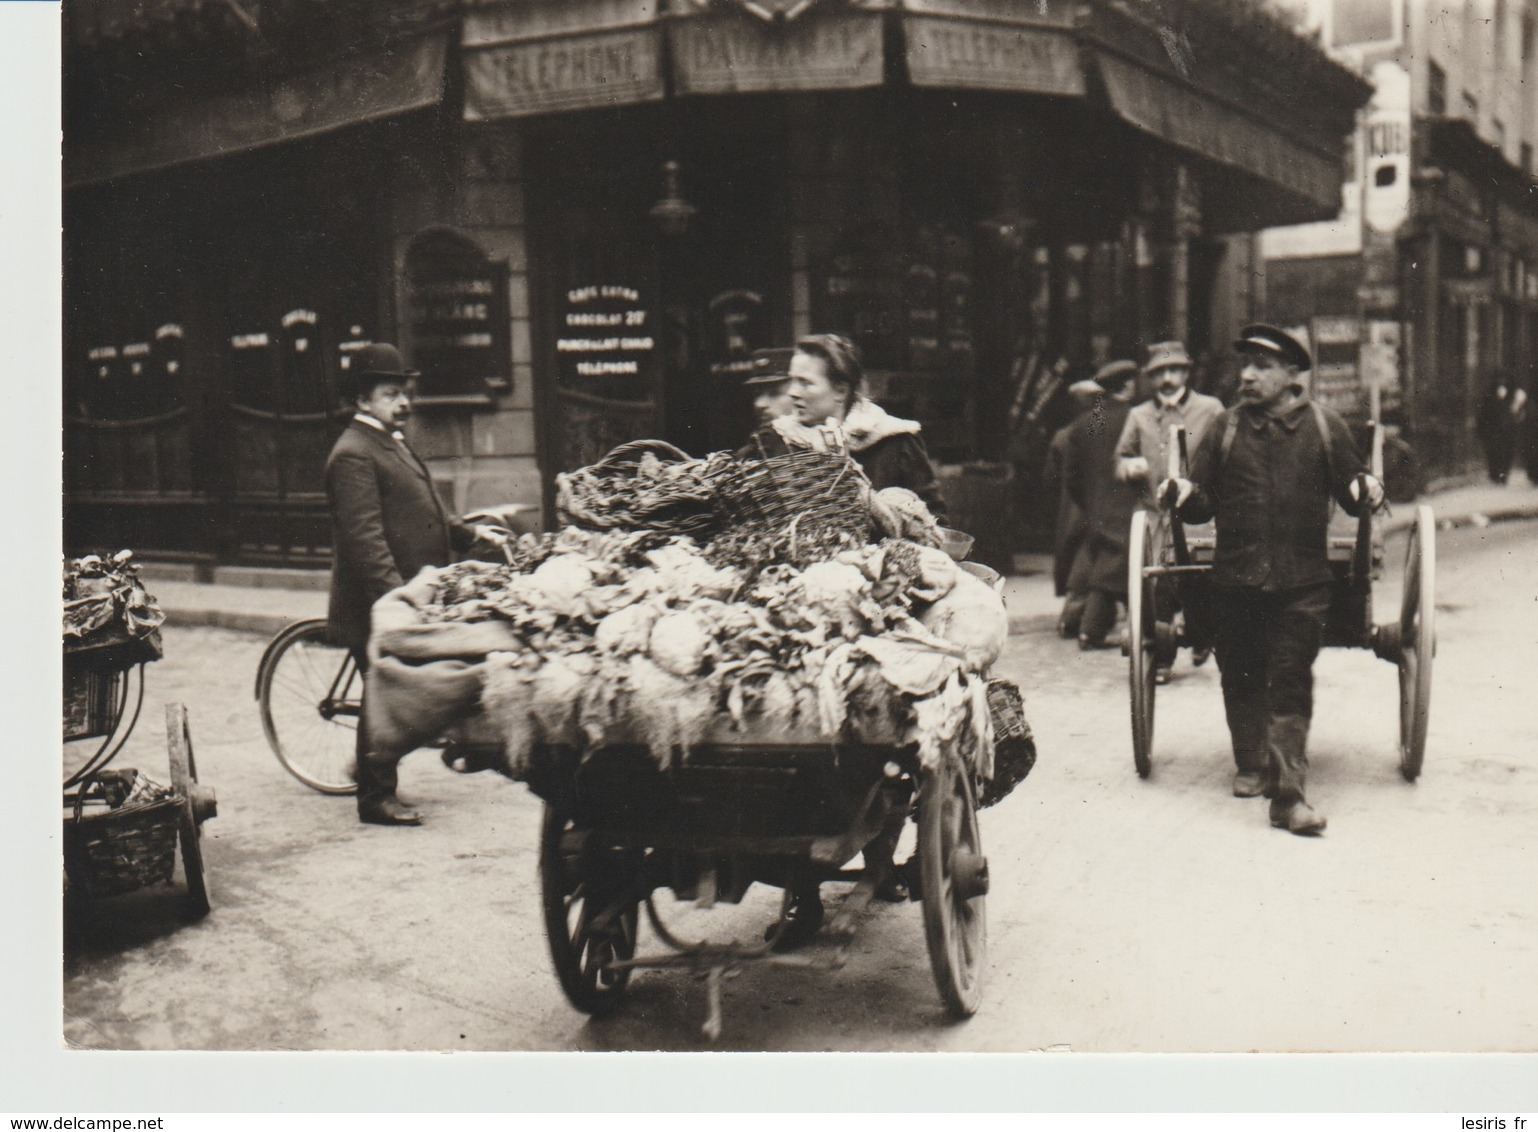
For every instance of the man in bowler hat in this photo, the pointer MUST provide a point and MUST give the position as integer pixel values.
(387, 523)
(1266, 470)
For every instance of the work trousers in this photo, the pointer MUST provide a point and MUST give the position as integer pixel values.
(1099, 581)
(1266, 642)
(377, 775)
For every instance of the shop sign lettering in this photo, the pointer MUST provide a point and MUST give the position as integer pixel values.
(604, 332)
(943, 52)
(718, 55)
(518, 79)
(458, 313)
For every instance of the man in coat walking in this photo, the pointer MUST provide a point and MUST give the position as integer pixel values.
(1142, 457)
(1100, 568)
(1267, 470)
(387, 523)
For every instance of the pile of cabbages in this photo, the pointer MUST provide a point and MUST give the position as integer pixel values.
(656, 640)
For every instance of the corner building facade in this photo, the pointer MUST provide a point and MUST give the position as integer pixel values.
(579, 218)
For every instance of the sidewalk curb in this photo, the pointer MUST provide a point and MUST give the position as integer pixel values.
(1405, 518)
(262, 624)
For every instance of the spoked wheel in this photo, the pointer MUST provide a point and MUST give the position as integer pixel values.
(197, 806)
(1417, 642)
(311, 694)
(591, 912)
(953, 879)
(1141, 636)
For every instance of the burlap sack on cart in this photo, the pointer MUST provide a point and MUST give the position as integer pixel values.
(423, 678)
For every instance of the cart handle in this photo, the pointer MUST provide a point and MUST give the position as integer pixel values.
(1175, 464)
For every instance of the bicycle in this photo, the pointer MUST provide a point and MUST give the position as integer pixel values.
(309, 692)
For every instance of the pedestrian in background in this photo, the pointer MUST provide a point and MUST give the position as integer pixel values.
(768, 383)
(1143, 460)
(1267, 470)
(1107, 501)
(1501, 416)
(1069, 527)
(387, 523)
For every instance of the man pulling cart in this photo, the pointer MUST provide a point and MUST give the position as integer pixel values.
(1266, 471)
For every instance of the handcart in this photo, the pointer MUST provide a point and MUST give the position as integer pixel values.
(1162, 551)
(121, 829)
(617, 828)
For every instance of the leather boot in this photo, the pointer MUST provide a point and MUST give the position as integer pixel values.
(1287, 749)
(377, 803)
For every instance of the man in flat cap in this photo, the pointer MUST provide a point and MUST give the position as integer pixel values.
(768, 383)
(387, 523)
(1107, 502)
(1267, 470)
(1143, 455)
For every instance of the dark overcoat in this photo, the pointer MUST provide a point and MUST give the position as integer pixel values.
(1107, 502)
(387, 522)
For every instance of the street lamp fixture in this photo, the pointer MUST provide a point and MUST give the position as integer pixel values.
(672, 213)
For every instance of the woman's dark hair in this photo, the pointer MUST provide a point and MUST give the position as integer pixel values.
(843, 361)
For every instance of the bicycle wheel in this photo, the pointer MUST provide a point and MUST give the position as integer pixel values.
(311, 695)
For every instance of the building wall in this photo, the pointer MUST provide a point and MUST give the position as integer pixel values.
(479, 455)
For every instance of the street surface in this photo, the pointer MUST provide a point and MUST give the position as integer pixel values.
(1125, 915)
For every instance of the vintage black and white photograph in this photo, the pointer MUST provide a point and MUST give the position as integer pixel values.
(983, 526)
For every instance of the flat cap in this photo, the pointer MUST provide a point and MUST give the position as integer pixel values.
(769, 367)
(1114, 375)
(1273, 340)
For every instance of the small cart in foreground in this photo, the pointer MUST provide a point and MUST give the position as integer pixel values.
(121, 829)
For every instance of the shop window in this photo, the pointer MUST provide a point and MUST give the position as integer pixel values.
(128, 380)
(1436, 89)
(456, 317)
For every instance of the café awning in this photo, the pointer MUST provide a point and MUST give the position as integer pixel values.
(109, 139)
(1212, 127)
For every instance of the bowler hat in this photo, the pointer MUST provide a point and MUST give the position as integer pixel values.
(769, 367)
(1113, 376)
(1259, 336)
(1165, 355)
(1085, 387)
(379, 359)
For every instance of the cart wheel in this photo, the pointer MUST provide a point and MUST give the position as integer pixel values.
(310, 694)
(1141, 639)
(1417, 642)
(590, 906)
(953, 882)
(184, 779)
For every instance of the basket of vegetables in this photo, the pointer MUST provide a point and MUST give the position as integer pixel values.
(645, 484)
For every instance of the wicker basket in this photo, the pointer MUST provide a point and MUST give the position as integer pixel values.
(821, 489)
(584, 497)
(1014, 748)
(127, 846)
